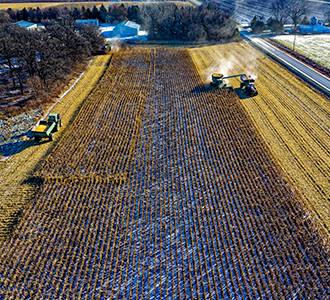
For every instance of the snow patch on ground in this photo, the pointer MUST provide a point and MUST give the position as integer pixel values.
(13, 129)
(316, 47)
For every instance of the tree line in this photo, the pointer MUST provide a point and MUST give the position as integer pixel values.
(51, 54)
(282, 12)
(162, 21)
(207, 22)
(47, 55)
(114, 14)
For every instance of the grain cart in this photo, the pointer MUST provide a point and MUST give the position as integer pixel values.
(247, 83)
(218, 83)
(45, 129)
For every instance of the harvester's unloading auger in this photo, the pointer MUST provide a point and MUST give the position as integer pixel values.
(247, 83)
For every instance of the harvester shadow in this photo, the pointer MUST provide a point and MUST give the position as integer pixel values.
(203, 88)
(241, 94)
(207, 89)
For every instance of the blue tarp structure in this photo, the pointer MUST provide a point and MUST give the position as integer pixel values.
(321, 29)
(127, 28)
(306, 29)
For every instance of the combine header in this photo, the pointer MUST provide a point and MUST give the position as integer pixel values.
(247, 83)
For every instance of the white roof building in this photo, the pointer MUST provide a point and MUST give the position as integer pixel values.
(126, 29)
(27, 25)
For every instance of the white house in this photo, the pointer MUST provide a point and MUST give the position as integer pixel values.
(126, 29)
(27, 25)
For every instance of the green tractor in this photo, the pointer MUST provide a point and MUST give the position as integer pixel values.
(247, 83)
(45, 129)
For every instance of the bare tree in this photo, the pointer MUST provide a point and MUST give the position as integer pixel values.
(92, 36)
(297, 9)
(279, 11)
(327, 15)
(7, 49)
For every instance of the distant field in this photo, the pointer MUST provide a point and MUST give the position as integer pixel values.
(18, 6)
(316, 47)
(245, 10)
(126, 3)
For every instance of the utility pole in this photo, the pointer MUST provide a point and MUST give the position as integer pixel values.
(294, 40)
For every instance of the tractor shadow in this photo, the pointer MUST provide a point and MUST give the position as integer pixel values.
(19, 145)
(201, 89)
(241, 94)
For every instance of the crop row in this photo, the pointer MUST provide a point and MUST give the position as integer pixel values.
(204, 212)
(15, 190)
(102, 132)
(293, 119)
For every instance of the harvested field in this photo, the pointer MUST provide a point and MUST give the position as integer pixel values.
(161, 189)
(293, 118)
(21, 159)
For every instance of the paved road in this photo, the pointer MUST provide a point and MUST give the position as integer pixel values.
(304, 70)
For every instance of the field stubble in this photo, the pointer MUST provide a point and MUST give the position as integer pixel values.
(16, 189)
(293, 118)
(203, 211)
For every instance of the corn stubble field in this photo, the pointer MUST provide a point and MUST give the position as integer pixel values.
(293, 119)
(19, 164)
(161, 189)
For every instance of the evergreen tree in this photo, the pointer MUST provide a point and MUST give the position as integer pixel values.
(103, 14)
(95, 13)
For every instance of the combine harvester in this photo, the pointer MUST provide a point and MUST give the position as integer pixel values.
(45, 129)
(247, 83)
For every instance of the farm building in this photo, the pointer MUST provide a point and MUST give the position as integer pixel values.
(321, 29)
(127, 28)
(314, 21)
(305, 29)
(27, 25)
(88, 22)
(106, 29)
(313, 28)
(308, 29)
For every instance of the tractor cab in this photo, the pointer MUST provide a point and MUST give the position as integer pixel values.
(54, 117)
